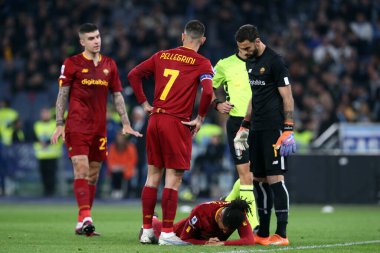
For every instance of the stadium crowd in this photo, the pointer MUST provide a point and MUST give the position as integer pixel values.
(332, 49)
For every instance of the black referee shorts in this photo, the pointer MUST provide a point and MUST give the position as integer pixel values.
(265, 160)
(233, 125)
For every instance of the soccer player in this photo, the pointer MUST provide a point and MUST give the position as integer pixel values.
(177, 73)
(232, 74)
(270, 116)
(84, 81)
(212, 223)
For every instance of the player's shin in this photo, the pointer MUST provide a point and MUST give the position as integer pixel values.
(281, 206)
(235, 192)
(264, 207)
(148, 199)
(246, 193)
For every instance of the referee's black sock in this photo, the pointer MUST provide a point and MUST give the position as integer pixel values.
(281, 206)
(264, 207)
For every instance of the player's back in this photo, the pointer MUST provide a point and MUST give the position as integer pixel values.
(177, 75)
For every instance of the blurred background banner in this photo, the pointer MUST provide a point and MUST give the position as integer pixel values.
(332, 50)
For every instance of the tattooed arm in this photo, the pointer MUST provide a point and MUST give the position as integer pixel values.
(119, 104)
(60, 108)
(287, 98)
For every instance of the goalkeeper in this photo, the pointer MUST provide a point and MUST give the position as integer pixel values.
(270, 118)
(231, 74)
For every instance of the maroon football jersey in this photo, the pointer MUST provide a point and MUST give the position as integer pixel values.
(201, 226)
(89, 86)
(177, 74)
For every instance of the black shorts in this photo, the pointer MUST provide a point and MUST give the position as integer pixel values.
(233, 125)
(265, 160)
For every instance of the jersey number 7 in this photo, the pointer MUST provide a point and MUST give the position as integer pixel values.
(173, 73)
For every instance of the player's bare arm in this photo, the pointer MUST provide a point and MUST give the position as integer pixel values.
(287, 97)
(62, 98)
(119, 104)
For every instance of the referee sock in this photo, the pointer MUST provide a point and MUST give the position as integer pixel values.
(264, 207)
(169, 204)
(246, 193)
(82, 195)
(235, 192)
(148, 201)
(281, 206)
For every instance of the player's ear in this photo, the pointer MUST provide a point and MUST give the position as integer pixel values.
(81, 41)
(203, 40)
(183, 37)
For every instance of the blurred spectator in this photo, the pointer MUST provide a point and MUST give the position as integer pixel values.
(121, 162)
(46, 153)
(7, 118)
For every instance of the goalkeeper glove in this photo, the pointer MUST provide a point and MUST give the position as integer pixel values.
(241, 139)
(286, 142)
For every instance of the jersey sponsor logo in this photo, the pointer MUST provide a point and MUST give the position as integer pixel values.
(193, 220)
(205, 76)
(257, 82)
(177, 57)
(84, 70)
(106, 72)
(286, 80)
(90, 82)
(262, 70)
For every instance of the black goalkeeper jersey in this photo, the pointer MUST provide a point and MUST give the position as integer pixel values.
(266, 73)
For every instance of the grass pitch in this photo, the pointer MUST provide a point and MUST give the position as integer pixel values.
(49, 227)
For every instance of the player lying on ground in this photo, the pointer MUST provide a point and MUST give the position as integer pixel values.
(212, 223)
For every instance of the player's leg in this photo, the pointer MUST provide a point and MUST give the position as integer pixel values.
(246, 191)
(264, 195)
(148, 201)
(243, 187)
(235, 192)
(276, 167)
(93, 179)
(176, 141)
(82, 193)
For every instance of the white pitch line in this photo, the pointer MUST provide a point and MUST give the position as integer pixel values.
(302, 247)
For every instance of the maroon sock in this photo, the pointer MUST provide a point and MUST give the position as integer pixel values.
(148, 199)
(169, 208)
(92, 189)
(82, 194)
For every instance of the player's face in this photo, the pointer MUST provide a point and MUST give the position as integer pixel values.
(221, 226)
(91, 42)
(247, 49)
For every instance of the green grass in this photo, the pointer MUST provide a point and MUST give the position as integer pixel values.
(50, 228)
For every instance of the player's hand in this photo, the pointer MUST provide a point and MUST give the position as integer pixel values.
(214, 241)
(194, 125)
(224, 107)
(59, 131)
(127, 129)
(241, 141)
(286, 142)
(147, 107)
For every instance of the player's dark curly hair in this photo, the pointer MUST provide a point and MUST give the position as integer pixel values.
(235, 213)
(195, 29)
(87, 28)
(247, 32)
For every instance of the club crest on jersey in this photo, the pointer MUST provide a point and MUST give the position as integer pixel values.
(106, 72)
(262, 70)
(194, 220)
(84, 70)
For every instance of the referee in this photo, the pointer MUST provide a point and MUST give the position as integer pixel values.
(231, 73)
(271, 137)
